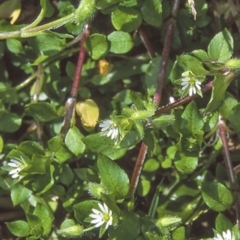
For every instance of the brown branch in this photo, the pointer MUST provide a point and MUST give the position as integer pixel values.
(70, 103)
(229, 167)
(157, 97)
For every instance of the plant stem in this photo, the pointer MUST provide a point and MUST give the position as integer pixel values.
(229, 167)
(70, 103)
(157, 97)
(182, 101)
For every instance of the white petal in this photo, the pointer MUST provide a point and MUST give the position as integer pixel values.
(109, 132)
(198, 86)
(14, 171)
(190, 91)
(194, 90)
(101, 207)
(105, 208)
(184, 87)
(96, 211)
(94, 221)
(15, 175)
(99, 224)
(11, 164)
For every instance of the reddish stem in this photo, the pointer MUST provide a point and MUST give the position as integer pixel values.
(229, 167)
(146, 42)
(70, 103)
(182, 101)
(157, 96)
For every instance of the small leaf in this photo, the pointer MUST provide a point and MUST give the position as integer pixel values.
(126, 19)
(188, 62)
(9, 122)
(97, 45)
(128, 228)
(222, 223)
(14, 46)
(163, 121)
(19, 194)
(73, 141)
(234, 117)
(220, 85)
(143, 187)
(19, 228)
(121, 42)
(113, 178)
(41, 111)
(221, 46)
(69, 229)
(35, 225)
(105, 145)
(89, 113)
(192, 120)
(186, 164)
(152, 12)
(216, 196)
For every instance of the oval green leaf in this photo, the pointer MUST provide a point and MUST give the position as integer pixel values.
(126, 19)
(121, 42)
(216, 196)
(97, 46)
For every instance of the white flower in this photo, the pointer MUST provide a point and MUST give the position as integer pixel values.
(109, 128)
(102, 216)
(192, 83)
(17, 165)
(225, 236)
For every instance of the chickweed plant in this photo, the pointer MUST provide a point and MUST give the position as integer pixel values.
(119, 119)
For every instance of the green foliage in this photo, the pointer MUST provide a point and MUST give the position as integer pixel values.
(100, 158)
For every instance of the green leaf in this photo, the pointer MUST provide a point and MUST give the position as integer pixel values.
(222, 223)
(83, 209)
(35, 225)
(200, 54)
(102, 4)
(168, 221)
(67, 175)
(41, 111)
(234, 117)
(190, 63)
(151, 165)
(192, 121)
(46, 217)
(30, 147)
(220, 85)
(18, 228)
(113, 178)
(128, 228)
(221, 46)
(97, 45)
(48, 44)
(121, 42)
(14, 46)
(186, 164)
(143, 187)
(163, 121)
(152, 12)
(1, 144)
(73, 141)
(126, 19)
(102, 144)
(216, 196)
(179, 233)
(69, 229)
(19, 194)
(228, 104)
(9, 122)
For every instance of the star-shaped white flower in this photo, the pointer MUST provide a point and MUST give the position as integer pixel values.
(192, 83)
(109, 128)
(17, 165)
(225, 236)
(102, 216)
